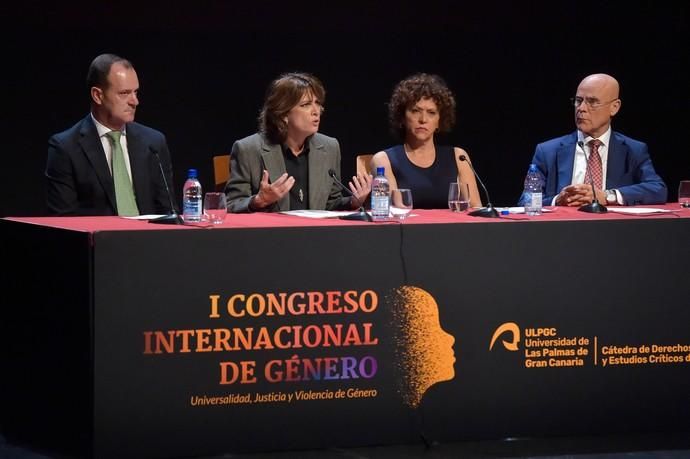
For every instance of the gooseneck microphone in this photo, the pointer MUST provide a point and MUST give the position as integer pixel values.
(361, 214)
(594, 207)
(173, 218)
(489, 210)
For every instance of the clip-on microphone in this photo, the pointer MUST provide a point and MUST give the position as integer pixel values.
(361, 214)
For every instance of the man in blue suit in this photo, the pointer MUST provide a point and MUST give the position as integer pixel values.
(624, 169)
(107, 151)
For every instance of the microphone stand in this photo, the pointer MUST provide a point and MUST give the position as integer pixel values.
(594, 207)
(361, 215)
(488, 211)
(174, 218)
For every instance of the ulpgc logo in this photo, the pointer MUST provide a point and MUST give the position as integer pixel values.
(511, 331)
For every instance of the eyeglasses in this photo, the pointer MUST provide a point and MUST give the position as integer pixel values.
(592, 102)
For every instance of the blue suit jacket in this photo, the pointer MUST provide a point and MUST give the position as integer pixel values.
(629, 169)
(79, 181)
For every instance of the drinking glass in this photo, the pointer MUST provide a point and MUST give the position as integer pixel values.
(684, 193)
(458, 196)
(215, 207)
(401, 203)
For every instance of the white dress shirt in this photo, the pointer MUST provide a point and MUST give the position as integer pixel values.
(582, 155)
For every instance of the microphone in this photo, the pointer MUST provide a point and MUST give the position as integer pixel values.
(594, 207)
(361, 214)
(174, 218)
(489, 210)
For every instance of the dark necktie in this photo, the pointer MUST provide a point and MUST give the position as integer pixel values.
(124, 193)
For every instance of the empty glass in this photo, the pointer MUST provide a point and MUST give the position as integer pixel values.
(401, 203)
(684, 193)
(458, 196)
(215, 207)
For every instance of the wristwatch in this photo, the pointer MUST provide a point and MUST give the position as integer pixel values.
(611, 197)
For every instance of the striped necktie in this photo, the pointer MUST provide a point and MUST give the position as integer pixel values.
(124, 192)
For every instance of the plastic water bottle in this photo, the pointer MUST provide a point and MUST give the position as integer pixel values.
(380, 196)
(532, 194)
(192, 198)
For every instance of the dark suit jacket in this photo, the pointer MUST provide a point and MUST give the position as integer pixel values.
(251, 155)
(629, 169)
(79, 181)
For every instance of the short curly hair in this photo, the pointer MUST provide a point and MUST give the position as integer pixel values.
(414, 88)
(282, 95)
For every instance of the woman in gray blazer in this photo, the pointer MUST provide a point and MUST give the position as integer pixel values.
(285, 166)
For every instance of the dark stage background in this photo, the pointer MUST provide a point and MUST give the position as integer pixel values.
(203, 68)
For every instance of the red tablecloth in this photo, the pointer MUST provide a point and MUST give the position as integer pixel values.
(269, 220)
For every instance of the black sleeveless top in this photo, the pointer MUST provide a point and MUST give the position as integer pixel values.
(429, 185)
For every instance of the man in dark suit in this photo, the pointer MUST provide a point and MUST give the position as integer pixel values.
(107, 164)
(619, 167)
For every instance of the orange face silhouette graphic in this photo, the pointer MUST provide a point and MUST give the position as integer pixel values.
(424, 351)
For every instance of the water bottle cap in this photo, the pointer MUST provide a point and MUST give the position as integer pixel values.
(191, 173)
(379, 170)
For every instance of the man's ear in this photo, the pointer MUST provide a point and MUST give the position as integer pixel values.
(615, 106)
(97, 95)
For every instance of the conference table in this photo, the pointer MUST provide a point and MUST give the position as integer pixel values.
(122, 338)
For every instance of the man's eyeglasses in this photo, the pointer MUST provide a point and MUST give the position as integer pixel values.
(592, 102)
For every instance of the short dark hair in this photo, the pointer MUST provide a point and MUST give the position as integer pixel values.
(100, 68)
(414, 88)
(282, 95)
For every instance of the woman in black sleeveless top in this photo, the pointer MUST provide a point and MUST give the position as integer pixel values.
(421, 106)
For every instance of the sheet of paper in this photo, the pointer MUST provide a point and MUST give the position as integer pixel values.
(318, 213)
(520, 210)
(638, 210)
(145, 217)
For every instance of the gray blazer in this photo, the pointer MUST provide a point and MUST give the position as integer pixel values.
(251, 155)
